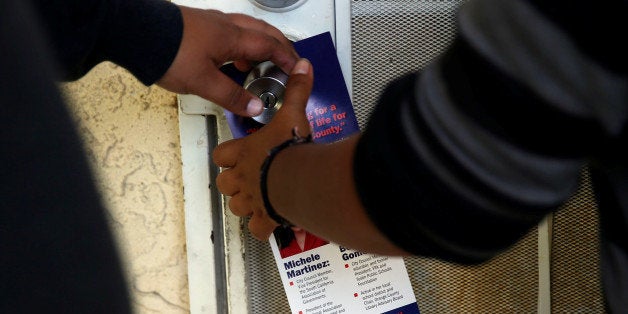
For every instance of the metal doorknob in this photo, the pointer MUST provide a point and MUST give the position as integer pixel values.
(268, 82)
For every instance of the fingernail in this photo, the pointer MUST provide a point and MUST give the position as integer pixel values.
(302, 67)
(254, 107)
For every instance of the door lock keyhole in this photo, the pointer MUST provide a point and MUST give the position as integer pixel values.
(269, 100)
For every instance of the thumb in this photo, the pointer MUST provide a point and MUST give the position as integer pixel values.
(222, 90)
(298, 91)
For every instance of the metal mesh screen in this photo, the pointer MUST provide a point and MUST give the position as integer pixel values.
(506, 284)
(390, 38)
(266, 294)
(576, 286)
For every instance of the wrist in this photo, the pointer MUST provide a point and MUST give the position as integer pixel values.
(270, 210)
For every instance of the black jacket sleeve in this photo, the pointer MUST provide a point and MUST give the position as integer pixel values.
(462, 159)
(142, 36)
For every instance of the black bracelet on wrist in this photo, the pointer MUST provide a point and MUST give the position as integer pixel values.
(295, 140)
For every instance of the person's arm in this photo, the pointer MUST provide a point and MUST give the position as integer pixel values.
(142, 36)
(179, 48)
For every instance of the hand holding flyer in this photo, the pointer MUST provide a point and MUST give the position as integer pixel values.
(318, 276)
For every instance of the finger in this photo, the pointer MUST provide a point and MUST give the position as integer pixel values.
(247, 21)
(243, 65)
(298, 90)
(250, 44)
(222, 90)
(228, 182)
(226, 154)
(240, 205)
(261, 48)
(261, 41)
(261, 226)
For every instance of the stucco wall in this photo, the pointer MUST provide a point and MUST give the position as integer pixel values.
(132, 140)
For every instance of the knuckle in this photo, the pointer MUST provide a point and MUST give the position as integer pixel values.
(220, 181)
(235, 97)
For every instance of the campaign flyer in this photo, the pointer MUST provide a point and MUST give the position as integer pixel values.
(321, 277)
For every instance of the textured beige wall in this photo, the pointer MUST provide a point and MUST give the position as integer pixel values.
(132, 141)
